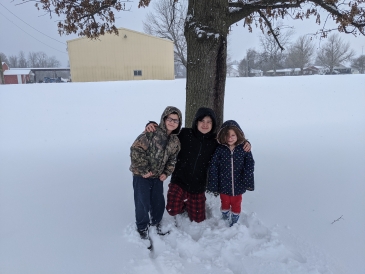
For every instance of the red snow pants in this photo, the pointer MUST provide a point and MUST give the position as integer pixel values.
(232, 203)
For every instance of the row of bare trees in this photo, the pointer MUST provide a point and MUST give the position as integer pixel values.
(299, 54)
(167, 18)
(32, 60)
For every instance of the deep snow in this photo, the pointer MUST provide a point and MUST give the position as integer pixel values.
(66, 203)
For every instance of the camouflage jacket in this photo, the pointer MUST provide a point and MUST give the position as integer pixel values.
(156, 151)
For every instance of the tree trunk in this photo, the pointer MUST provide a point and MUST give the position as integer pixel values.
(206, 57)
(2, 80)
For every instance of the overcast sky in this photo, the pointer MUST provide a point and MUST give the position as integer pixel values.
(23, 27)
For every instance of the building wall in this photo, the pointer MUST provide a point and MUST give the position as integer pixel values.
(5, 66)
(13, 79)
(114, 58)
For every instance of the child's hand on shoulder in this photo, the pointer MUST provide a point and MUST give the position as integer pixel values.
(247, 146)
(163, 177)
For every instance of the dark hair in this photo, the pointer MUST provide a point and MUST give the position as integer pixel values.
(223, 134)
(174, 112)
(200, 118)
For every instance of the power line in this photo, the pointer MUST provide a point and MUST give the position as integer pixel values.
(31, 26)
(32, 35)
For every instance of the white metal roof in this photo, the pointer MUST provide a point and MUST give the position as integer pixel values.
(16, 72)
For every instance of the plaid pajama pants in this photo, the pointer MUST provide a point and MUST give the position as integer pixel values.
(179, 200)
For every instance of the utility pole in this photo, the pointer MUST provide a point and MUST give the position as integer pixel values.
(2, 80)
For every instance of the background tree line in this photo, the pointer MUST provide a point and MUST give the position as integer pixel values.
(31, 60)
(35, 60)
(299, 53)
(276, 50)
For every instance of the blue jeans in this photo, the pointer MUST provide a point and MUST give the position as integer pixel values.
(148, 200)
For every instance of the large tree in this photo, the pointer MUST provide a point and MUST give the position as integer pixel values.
(272, 48)
(301, 53)
(167, 21)
(251, 61)
(4, 58)
(334, 52)
(359, 63)
(206, 28)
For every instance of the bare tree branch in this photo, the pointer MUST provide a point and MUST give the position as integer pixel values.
(337, 219)
(273, 32)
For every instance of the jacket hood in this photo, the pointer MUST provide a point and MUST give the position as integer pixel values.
(230, 123)
(200, 114)
(168, 110)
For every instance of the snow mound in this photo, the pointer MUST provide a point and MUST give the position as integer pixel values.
(213, 247)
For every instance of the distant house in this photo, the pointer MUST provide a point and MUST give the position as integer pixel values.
(283, 72)
(256, 73)
(15, 76)
(315, 70)
(341, 69)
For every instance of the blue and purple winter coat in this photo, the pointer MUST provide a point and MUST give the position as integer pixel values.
(231, 172)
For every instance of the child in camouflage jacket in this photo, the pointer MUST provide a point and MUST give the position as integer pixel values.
(153, 158)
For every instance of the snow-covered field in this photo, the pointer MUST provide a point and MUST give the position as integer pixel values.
(66, 202)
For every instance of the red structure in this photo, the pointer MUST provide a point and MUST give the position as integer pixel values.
(5, 66)
(14, 76)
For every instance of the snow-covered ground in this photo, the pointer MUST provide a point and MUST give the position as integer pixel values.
(66, 202)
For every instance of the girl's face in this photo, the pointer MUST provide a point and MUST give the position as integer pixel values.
(231, 137)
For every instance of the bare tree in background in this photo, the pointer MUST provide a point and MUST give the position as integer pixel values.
(13, 61)
(273, 46)
(41, 60)
(4, 58)
(167, 21)
(359, 63)
(22, 61)
(2, 80)
(248, 63)
(53, 62)
(300, 54)
(334, 52)
(230, 64)
(32, 59)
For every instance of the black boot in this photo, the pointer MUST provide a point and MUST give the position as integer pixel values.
(159, 231)
(144, 234)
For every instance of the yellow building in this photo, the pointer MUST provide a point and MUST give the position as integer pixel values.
(129, 56)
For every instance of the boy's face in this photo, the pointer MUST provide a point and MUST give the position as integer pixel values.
(231, 137)
(172, 122)
(205, 125)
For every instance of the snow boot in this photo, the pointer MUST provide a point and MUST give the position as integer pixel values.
(225, 215)
(144, 234)
(158, 229)
(234, 218)
(145, 238)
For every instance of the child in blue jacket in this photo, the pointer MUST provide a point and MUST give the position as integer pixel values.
(231, 170)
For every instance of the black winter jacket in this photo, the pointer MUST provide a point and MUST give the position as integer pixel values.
(193, 160)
